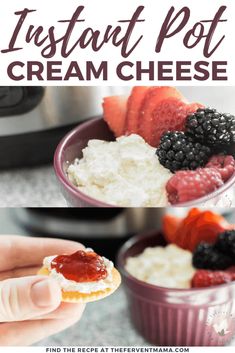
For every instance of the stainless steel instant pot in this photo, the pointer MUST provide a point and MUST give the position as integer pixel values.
(109, 223)
(104, 230)
(34, 119)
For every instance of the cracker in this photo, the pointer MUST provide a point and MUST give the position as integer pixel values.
(77, 297)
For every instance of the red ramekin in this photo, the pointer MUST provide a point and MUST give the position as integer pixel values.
(177, 317)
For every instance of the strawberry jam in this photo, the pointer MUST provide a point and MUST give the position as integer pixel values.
(81, 266)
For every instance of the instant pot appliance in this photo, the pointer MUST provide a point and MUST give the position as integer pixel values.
(104, 230)
(34, 119)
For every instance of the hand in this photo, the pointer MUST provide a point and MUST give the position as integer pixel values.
(30, 305)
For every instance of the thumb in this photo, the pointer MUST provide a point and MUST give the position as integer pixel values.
(27, 297)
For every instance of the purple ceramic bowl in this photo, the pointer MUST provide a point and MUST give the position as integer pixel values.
(177, 317)
(71, 148)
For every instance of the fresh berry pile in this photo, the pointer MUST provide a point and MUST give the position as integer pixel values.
(211, 239)
(195, 143)
(205, 133)
(148, 112)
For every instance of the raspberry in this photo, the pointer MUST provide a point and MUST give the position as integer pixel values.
(189, 185)
(224, 164)
(204, 278)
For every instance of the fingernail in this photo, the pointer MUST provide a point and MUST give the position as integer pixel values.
(42, 293)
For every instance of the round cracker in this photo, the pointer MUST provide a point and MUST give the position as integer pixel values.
(77, 297)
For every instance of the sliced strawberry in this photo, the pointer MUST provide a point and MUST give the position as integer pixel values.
(133, 106)
(170, 115)
(207, 227)
(183, 235)
(170, 224)
(153, 97)
(198, 226)
(114, 108)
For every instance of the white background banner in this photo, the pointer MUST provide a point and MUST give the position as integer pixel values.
(116, 349)
(117, 42)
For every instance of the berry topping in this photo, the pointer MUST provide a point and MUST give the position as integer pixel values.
(114, 108)
(207, 257)
(226, 243)
(198, 226)
(177, 151)
(224, 164)
(170, 224)
(168, 115)
(162, 109)
(134, 103)
(211, 127)
(204, 278)
(82, 266)
(192, 184)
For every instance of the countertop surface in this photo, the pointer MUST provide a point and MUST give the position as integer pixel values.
(30, 187)
(104, 323)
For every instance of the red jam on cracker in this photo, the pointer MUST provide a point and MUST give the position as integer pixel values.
(81, 266)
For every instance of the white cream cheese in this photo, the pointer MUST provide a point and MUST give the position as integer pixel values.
(82, 287)
(169, 266)
(125, 172)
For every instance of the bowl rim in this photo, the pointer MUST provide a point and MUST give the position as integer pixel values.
(138, 239)
(61, 175)
(59, 171)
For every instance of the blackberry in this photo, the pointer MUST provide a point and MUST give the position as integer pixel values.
(178, 151)
(211, 127)
(226, 243)
(207, 257)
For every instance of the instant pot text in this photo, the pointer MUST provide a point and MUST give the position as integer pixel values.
(56, 53)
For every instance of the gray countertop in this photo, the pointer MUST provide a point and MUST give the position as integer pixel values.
(104, 323)
(30, 187)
